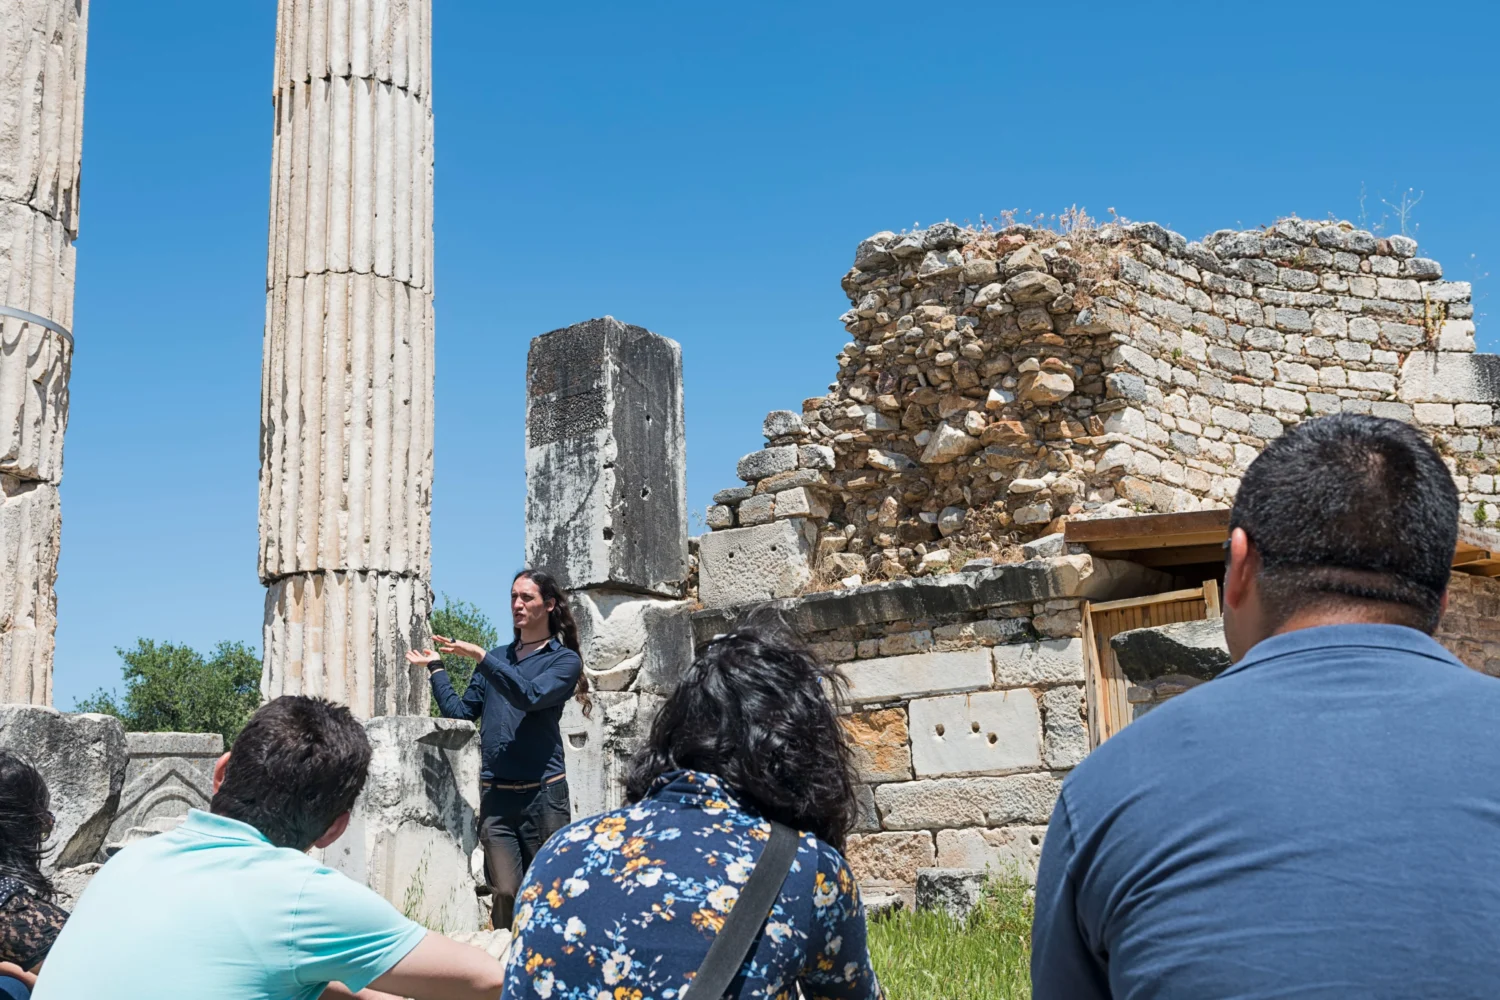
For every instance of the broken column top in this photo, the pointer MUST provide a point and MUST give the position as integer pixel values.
(606, 470)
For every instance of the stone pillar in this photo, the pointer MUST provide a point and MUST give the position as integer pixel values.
(606, 514)
(42, 49)
(346, 388)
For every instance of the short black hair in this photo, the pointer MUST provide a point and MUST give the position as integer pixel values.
(1351, 508)
(755, 710)
(298, 763)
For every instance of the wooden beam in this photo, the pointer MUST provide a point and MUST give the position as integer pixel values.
(1175, 556)
(1148, 526)
(1136, 602)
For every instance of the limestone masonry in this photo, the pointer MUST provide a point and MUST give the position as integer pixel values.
(42, 52)
(998, 381)
(346, 395)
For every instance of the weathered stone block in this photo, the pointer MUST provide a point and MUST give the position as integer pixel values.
(891, 677)
(1006, 850)
(1194, 649)
(767, 462)
(168, 774)
(598, 746)
(83, 759)
(880, 743)
(624, 635)
(986, 732)
(1066, 734)
(743, 565)
(414, 827)
(605, 458)
(954, 891)
(1032, 664)
(1449, 377)
(951, 803)
(889, 858)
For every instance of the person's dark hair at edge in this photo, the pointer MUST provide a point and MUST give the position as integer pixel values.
(1351, 509)
(298, 763)
(24, 824)
(756, 709)
(559, 623)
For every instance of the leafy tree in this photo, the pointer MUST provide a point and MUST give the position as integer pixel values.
(172, 688)
(461, 620)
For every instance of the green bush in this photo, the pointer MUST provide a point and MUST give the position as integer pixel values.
(931, 956)
(176, 689)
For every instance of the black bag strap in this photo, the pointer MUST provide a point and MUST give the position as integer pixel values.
(746, 917)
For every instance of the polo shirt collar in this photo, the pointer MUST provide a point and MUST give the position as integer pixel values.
(1326, 637)
(207, 824)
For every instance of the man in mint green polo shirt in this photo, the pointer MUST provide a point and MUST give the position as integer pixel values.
(230, 906)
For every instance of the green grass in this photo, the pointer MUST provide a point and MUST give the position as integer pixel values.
(931, 956)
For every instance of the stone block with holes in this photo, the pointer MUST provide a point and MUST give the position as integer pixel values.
(606, 461)
(984, 732)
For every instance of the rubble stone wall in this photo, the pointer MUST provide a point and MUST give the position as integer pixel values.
(997, 381)
(1471, 626)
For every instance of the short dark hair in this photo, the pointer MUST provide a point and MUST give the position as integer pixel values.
(298, 763)
(755, 710)
(1347, 509)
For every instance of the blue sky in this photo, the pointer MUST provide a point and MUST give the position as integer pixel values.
(704, 170)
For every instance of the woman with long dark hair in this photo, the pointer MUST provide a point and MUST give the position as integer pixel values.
(517, 693)
(29, 921)
(628, 903)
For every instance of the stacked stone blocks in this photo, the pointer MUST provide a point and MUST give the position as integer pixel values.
(44, 44)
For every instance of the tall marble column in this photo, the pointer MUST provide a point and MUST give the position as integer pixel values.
(42, 50)
(346, 393)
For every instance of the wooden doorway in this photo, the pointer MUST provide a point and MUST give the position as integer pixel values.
(1108, 688)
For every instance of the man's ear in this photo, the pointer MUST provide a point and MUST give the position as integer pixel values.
(334, 832)
(1443, 604)
(1244, 564)
(220, 766)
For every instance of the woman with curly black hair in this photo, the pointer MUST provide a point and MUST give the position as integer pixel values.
(628, 903)
(29, 922)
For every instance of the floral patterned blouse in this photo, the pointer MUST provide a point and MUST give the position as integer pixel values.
(623, 906)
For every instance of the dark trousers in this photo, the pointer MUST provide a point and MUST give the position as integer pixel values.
(513, 826)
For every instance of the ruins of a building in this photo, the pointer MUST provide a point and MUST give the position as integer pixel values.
(1014, 405)
(43, 45)
(346, 396)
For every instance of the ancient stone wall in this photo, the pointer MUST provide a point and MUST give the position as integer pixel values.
(42, 51)
(999, 381)
(965, 706)
(1471, 626)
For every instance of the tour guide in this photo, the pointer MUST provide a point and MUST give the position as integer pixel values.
(519, 691)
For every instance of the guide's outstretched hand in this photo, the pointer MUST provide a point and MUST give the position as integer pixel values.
(423, 657)
(468, 650)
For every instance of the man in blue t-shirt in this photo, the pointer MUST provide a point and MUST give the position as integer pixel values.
(1323, 819)
(230, 906)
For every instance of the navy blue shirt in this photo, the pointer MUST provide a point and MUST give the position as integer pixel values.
(1322, 820)
(521, 703)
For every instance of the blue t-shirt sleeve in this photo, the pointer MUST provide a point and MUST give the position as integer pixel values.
(1063, 966)
(343, 932)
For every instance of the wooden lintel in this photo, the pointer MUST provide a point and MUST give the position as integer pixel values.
(1147, 526)
(1177, 556)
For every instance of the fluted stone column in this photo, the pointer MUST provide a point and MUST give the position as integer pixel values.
(42, 50)
(346, 397)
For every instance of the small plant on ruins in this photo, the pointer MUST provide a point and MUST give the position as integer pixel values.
(173, 688)
(923, 955)
(1480, 517)
(461, 620)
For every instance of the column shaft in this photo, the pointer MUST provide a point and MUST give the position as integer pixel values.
(42, 56)
(346, 401)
